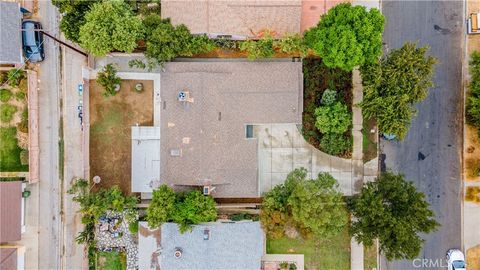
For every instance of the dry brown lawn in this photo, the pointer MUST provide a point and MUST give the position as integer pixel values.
(111, 119)
(472, 154)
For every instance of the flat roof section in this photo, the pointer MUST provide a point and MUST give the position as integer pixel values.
(145, 158)
(204, 139)
(10, 33)
(10, 211)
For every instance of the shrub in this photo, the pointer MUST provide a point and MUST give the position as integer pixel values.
(110, 25)
(165, 41)
(6, 113)
(291, 44)
(329, 97)
(20, 95)
(227, 44)
(5, 95)
(262, 48)
(347, 36)
(335, 144)
(24, 157)
(109, 80)
(3, 77)
(133, 227)
(14, 76)
(473, 100)
(333, 119)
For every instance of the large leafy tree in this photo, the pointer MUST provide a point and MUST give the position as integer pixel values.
(161, 207)
(313, 206)
(73, 16)
(473, 100)
(392, 87)
(347, 36)
(109, 26)
(193, 208)
(392, 210)
(318, 206)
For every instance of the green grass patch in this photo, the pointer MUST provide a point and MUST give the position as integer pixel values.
(10, 151)
(370, 257)
(325, 253)
(5, 95)
(111, 261)
(6, 113)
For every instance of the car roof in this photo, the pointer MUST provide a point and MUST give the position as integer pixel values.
(457, 255)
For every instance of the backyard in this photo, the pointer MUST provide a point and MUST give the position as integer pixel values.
(111, 119)
(13, 122)
(326, 253)
(318, 78)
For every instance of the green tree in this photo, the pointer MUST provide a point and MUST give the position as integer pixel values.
(318, 206)
(108, 78)
(335, 144)
(473, 99)
(334, 118)
(347, 36)
(392, 210)
(109, 26)
(165, 41)
(392, 87)
(161, 207)
(73, 16)
(193, 208)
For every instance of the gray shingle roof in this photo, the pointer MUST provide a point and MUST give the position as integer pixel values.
(235, 17)
(210, 132)
(230, 246)
(10, 33)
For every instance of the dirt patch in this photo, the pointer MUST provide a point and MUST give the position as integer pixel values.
(370, 140)
(111, 119)
(473, 258)
(472, 154)
(473, 194)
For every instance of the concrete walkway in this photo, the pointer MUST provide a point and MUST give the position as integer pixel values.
(356, 249)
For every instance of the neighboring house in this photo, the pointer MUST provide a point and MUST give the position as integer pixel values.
(10, 34)
(205, 135)
(213, 246)
(11, 225)
(239, 18)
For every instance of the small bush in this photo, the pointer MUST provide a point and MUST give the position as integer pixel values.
(20, 95)
(291, 44)
(5, 95)
(333, 119)
(109, 80)
(335, 144)
(3, 77)
(6, 113)
(226, 44)
(133, 227)
(329, 97)
(242, 216)
(262, 48)
(14, 76)
(24, 157)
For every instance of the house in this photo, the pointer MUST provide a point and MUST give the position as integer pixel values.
(12, 256)
(239, 18)
(204, 132)
(10, 34)
(217, 245)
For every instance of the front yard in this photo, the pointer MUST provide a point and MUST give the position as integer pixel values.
(13, 122)
(317, 79)
(111, 260)
(330, 253)
(111, 119)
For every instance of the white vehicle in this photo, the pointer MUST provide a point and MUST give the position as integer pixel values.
(455, 260)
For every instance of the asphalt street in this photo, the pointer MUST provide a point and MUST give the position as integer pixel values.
(50, 236)
(430, 155)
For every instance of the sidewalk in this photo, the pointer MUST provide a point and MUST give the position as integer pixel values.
(74, 256)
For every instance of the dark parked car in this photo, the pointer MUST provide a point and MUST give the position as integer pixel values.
(32, 41)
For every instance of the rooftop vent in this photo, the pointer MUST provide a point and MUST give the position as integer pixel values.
(175, 152)
(177, 253)
(184, 96)
(207, 190)
(206, 234)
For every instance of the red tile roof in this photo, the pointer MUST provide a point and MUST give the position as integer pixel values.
(10, 211)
